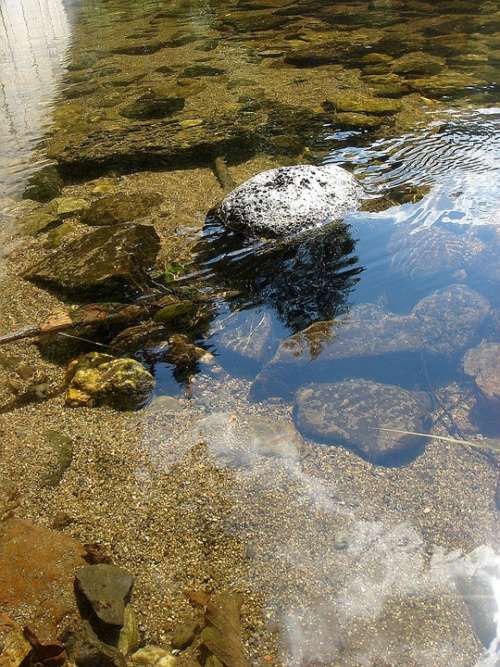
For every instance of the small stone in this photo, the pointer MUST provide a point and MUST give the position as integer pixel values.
(128, 639)
(341, 542)
(152, 656)
(162, 404)
(106, 588)
(97, 378)
(184, 635)
(62, 446)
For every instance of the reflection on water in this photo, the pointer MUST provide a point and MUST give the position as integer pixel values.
(34, 37)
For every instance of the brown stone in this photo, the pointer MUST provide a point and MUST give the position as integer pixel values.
(37, 568)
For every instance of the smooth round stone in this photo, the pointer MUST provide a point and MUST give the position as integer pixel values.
(289, 200)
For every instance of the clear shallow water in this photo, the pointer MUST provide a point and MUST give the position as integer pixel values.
(431, 222)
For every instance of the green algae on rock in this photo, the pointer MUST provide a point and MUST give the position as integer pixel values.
(97, 378)
(357, 102)
(150, 107)
(114, 209)
(107, 257)
(44, 185)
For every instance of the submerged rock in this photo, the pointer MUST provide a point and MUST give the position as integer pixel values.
(66, 207)
(152, 656)
(97, 378)
(118, 208)
(371, 342)
(355, 102)
(418, 62)
(147, 107)
(184, 635)
(106, 257)
(221, 636)
(44, 184)
(106, 588)
(483, 364)
(288, 200)
(85, 648)
(248, 336)
(350, 413)
(37, 567)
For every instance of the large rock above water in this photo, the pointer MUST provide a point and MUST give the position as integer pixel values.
(289, 200)
(106, 257)
(350, 413)
(372, 342)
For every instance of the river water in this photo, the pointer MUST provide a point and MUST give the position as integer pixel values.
(396, 313)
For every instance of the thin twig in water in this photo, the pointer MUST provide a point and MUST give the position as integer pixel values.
(437, 437)
(85, 340)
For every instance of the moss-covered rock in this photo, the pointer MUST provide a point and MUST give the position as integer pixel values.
(418, 62)
(66, 207)
(361, 120)
(106, 257)
(97, 378)
(35, 222)
(174, 309)
(356, 102)
(44, 185)
(148, 107)
(114, 209)
(59, 234)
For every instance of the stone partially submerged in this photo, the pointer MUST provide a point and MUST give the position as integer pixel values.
(107, 257)
(351, 413)
(288, 200)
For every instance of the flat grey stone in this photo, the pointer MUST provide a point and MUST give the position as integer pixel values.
(289, 200)
(106, 588)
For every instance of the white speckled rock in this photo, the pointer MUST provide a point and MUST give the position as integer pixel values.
(288, 200)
